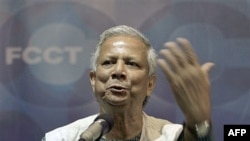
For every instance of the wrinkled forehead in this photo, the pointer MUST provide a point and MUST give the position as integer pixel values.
(122, 41)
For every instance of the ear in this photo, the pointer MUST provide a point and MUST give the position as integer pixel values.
(92, 77)
(151, 84)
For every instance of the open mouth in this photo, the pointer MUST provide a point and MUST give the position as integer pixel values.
(116, 94)
(117, 89)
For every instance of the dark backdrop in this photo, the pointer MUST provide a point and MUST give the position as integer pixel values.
(45, 49)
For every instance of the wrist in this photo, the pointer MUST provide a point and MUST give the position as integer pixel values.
(199, 130)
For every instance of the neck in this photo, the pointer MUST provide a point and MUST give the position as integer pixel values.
(126, 126)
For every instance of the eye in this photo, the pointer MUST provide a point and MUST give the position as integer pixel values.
(107, 62)
(134, 64)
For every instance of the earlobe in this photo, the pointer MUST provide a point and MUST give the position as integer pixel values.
(151, 84)
(92, 77)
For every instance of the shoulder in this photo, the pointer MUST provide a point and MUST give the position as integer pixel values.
(161, 129)
(70, 131)
(155, 123)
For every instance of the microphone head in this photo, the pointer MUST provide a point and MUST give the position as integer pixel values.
(108, 124)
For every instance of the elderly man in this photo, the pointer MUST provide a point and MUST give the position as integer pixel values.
(123, 76)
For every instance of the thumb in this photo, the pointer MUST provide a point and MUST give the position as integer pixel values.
(207, 66)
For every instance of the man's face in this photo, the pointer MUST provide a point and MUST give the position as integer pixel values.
(121, 76)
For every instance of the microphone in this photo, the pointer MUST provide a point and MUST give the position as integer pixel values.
(101, 125)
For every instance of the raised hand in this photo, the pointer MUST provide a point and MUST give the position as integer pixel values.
(188, 79)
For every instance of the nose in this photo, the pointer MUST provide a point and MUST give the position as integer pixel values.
(119, 71)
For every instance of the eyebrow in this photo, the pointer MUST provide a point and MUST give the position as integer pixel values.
(115, 57)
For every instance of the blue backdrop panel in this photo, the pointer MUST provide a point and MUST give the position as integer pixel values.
(45, 49)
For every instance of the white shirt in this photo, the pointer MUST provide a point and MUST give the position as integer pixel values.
(154, 129)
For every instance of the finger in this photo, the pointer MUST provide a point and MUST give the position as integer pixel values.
(170, 59)
(207, 67)
(164, 66)
(177, 53)
(187, 48)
